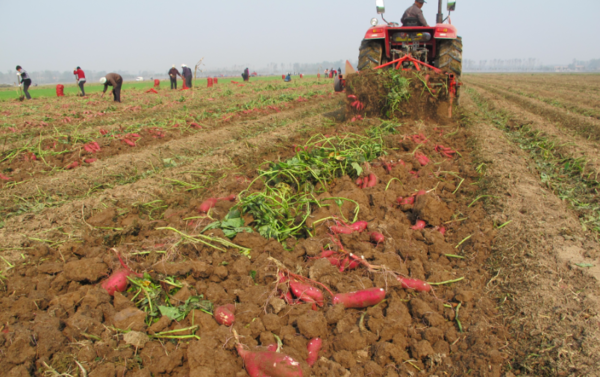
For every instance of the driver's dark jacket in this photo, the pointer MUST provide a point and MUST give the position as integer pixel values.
(415, 12)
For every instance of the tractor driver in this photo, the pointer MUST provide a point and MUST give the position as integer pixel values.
(414, 15)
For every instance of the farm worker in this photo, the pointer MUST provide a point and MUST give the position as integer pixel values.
(288, 78)
(339, 71)
(80, 79)
(173, 73)
(186, 72)
(116, 81)
(25, 80)
(246, 74)
(414, 13)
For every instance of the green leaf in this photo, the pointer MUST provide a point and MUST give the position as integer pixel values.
(215, 225)
(357, 167)
(233, 223)
(584, 265)
(172, 312)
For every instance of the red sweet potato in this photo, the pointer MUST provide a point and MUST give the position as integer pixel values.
(207, 205)
(307, 293)
(340, 229)
(359, 226)
(346, 264)
(269, 364)
(377, 237)
(417, 285)
(72, 165)
(420, 224)
(224, 315)
(372, 180)
(313, 347)
(406, 201)
(360, 299)
(423, 160)
(230, 198)
(117, 282)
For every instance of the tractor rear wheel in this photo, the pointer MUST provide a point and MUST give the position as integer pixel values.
(337, 84)
(370, 56)
(450, 56)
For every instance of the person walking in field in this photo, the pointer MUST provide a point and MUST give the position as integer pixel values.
(413, 16)
(25, 80)
(80, 79)
(173, 73)
(186, 72)
(116, 81)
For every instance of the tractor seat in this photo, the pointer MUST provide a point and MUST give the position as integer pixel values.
(410, 21)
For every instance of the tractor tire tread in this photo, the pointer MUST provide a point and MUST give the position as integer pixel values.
(370, 55)
(450, 56)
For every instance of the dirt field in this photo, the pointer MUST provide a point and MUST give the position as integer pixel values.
(495, 208)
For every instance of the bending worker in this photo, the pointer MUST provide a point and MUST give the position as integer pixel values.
(173, 73)
(116, 81)
(80, 79)
(186, 72)
(414, 15)
(25, 80)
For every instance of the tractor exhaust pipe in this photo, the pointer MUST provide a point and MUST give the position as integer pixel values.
(440, 16)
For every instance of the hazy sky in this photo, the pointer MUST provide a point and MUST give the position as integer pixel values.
(138, 35)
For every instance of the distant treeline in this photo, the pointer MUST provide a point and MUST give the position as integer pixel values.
(529, 65)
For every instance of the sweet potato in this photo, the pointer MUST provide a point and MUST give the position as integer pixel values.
(313, 347)
(359, 226)
(377, 237)
(72, 165)
(269, 364)
(340, 229)
(307, 293)
(230, 198)
(406, 201)
(360, 299)
(372, 180)
(420, 224)
(423, 160)
(224, 315)
(117, 282)
(346, 264)
(207, 205)
(417, 285)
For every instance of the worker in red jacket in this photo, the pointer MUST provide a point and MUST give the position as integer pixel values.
(80, 79)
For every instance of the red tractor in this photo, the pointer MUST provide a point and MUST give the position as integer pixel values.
(411, 46)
